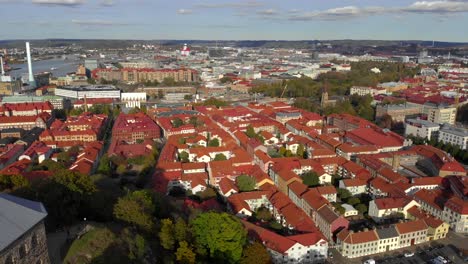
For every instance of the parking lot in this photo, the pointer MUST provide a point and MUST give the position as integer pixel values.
(422, 254)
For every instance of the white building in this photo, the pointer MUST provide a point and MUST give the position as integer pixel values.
(364, 90)
(455, 136)
(421, 128)
(349, 210)
(132, 100)
(384, 207)
(90, 91)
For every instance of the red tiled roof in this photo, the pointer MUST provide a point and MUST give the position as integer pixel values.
(410, 227)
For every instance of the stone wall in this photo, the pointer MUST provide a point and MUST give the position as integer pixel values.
(31, 248)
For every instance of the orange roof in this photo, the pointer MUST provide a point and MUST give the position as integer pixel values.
(358, 237)
(410, 227)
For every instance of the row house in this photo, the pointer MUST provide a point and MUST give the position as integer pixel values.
(354, 186)
(38, 152)
(357, 244)
(26, 109)
(302, 248)
(431, 202)
(135, 127)
(382, 208)
(246, 203)
(456, 214)
(330, 222)
(25, 122)
(412, 233)
(437, 229)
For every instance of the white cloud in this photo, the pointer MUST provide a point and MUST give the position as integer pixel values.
(59, 2)
(268, 12)
(107, 2)
(184, 12)
(247, 4)
(438, 7)
(347, 12)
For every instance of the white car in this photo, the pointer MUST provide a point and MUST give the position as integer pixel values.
(409, 254)
(439, 260)
(369, 261)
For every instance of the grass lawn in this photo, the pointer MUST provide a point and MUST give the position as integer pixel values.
(90, 245)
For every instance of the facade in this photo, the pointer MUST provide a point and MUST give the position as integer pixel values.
(24, 238)
(456, 214)
(421, 128)
(384, 207)
(133, 75)
(24, 122)
(88, 91)
(357, 244)
(398, 112)
(56, 101)
(364, 90)
(133, 99)
(455, 136)
(412, 233)
(133, 127)
(9, 87)
(330, 222)
(441, 115)
(354, 186)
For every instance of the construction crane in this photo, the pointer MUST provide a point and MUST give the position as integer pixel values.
(284, 90)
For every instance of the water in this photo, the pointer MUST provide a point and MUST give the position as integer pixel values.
(62, 67)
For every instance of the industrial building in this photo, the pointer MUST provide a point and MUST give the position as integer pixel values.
(88, 91)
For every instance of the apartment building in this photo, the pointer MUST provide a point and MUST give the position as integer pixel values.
(421, 128)
(455, 136)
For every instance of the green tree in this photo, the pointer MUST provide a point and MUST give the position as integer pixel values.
(168, 81)
(301, 151)
(185, 254)
(264, 214)
(226, 79)
(134, 110)
(180, 230)
(255, 253)
(12, 182)
(344, 194)
(353, 201)
(104, 165)
(184, 156)
(193, 120)
(250, 132)
(207, 194)
(220, 234)
(166, 235)
(220, 156)
(213, 143)
(385, 121)
(177, 122)
(188, 97)
(310, 179)
(362, 208)
(246, 183)
(136, 208)
(121, 169)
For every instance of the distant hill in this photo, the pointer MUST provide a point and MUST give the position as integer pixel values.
(305, 44)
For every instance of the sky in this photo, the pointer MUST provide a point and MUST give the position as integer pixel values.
(439, 20)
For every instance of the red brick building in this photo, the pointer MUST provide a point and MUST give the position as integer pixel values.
(133, 127)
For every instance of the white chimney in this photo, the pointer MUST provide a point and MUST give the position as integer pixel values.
(2, 72)
(32, 83)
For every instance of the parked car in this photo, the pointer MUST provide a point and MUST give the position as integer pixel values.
(409, 254)
(439, 260)
(369, 261)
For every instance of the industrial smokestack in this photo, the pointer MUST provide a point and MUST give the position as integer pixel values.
(2, 72)
(31, 75)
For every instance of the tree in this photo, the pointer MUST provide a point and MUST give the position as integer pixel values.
(226, 79)
(220, 234)
(121, 169)
(104, 165)
(207, 194)
(168, 81)
(255, 253)
(185, 254)
(184, 156)
(246, 183)
(344, 194)
(193, 120)
(220, 156)
(362, 208)
(188, 97)
(213, 143)
(136, 208)
(12, 182)
(166, 235)
(134, 110)
(310, 179)
(353, 201)
(300, 152)
(180, 230)
(250, 132)
(385, 121)
(177, 122)
(263, 214)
